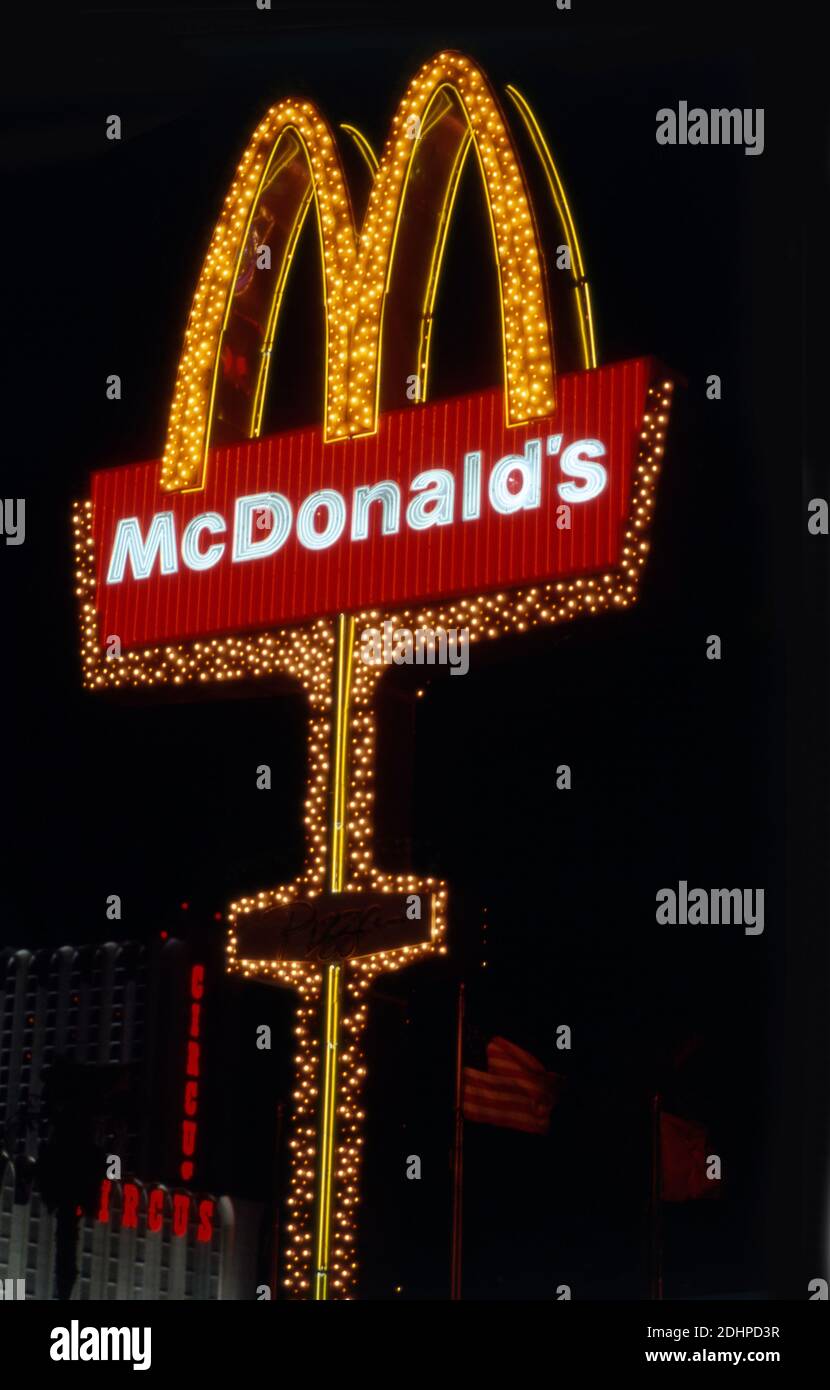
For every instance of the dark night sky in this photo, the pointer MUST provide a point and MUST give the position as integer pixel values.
(679, 764)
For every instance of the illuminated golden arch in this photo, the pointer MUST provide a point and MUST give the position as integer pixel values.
(291, 162)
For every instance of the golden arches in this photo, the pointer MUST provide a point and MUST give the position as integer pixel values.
(292, 161)
(293, 144)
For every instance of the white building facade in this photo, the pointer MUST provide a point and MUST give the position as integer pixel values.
(144, 1242)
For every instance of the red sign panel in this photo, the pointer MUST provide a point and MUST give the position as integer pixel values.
(444, 500)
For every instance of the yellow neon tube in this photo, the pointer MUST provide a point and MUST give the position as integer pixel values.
(437, 260)
(328, 1109)
(583, 293)
(276, 304)
(343, 692)
(363, 145)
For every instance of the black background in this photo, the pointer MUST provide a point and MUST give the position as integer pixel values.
(714, 772)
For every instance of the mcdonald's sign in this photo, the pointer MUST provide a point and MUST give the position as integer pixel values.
(541, 486)
(236, 556)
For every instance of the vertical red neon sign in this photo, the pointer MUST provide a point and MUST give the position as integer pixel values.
(193, 1067)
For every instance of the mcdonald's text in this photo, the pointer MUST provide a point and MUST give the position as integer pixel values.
(445, 499)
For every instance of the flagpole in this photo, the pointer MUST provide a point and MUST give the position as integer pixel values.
(458, 1153)
(656, 1205)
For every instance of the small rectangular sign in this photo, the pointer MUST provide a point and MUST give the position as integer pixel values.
(332, 927)
(444, 500)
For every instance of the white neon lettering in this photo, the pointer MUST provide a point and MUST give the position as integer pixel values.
(471, 501)
(193, 557)
(594, 475)
(306, 533)
(128, 544)
(244, 548)
(529, 493)
(514, 485)
(433, 507)
(389, 496)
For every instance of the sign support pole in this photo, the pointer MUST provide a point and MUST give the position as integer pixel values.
(326, 1127)
(332, 981)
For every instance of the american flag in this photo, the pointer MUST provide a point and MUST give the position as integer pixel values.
(515, 1091)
